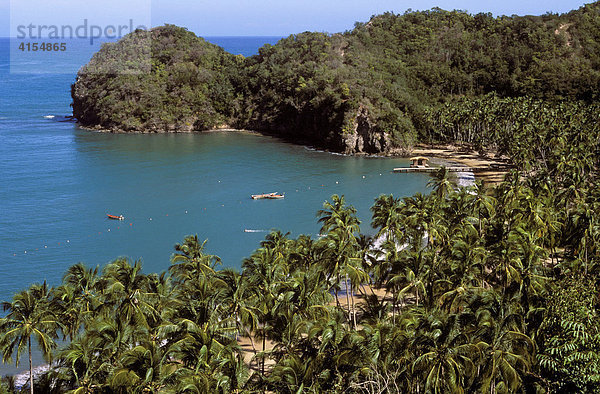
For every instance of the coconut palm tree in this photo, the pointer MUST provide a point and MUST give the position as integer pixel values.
(410, 275)
(341, 227)
(82, 365)
(441, 183)
(235, 304)
(387, 217)
(508, 352)
(29, 316)
(469, 255)
(264, 271)
(447, 358)
(84, 281)
(141, 369)
(125, 290)
(202, 350)
(484, 205)
(190, 261)
(77, 299)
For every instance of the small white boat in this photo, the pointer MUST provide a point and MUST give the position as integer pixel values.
(273, 195)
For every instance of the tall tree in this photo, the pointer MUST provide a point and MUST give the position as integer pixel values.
(29, 316)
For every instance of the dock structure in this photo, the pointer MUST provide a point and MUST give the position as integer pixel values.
(419, 162)
(434, 169)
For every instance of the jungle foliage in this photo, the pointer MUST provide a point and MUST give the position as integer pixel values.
(461, 290)
(365, 90)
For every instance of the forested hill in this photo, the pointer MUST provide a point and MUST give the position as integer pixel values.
(387, 83)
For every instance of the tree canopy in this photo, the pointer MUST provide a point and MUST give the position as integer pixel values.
(370, 89)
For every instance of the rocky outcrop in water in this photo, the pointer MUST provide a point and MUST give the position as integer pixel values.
(364, 136)
(373, 89)
(169, 80)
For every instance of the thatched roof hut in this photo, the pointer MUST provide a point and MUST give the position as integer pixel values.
(419, 161)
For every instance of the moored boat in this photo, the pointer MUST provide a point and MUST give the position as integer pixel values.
(115, 217)
(273, 195)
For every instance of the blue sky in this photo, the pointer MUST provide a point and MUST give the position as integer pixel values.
(284, 17)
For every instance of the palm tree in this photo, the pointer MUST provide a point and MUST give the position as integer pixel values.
(141, 368)
(125, 289)
(341, 225)
(263, 272)
(77, 298)
(484, 205)
(235, 303)
(84, 281)
(410, 275)
(441, 183)
(190, 261)
(469, 255)
(112, 337)
(292, 375)
(82, 363)
(66, 303)
(507, 351)
(160, 294)
(447, 358)
(29, 315)
(202, 350)
(387, 217)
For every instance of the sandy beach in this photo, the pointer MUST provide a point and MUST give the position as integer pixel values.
(491, 169)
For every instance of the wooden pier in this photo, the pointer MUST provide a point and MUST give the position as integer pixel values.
(434, 169)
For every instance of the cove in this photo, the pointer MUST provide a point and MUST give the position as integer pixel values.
(168, 186)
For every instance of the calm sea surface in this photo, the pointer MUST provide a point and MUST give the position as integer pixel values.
(58, 181)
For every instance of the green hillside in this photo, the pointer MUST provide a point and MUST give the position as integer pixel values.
(462, 290)
(371, 89)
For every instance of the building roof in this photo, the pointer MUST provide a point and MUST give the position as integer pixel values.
(418, 158)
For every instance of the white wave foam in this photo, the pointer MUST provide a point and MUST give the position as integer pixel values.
(311, 149)
(466, 179)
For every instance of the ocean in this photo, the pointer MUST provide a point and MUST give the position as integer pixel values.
(59, 181)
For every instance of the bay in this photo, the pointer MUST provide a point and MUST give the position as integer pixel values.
(62, 181)
(59, 181)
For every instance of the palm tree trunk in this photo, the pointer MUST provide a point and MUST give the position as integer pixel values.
(251, 336)
(337, 300)
(353, 307)
(394, 307)
(263, 353)
(348, 300)
(586, 260)
(480, 229)
(30, 367)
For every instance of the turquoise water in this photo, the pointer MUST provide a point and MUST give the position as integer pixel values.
(59, 182)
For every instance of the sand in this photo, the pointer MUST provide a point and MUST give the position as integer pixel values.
(491, 168)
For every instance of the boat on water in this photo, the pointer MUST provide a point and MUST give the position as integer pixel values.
(273, 195)
(115, 217)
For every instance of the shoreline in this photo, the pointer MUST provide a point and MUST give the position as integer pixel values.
(491, 169)
(439, 154)
(493, 172)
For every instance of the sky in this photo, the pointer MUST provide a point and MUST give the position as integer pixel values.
(252, 17)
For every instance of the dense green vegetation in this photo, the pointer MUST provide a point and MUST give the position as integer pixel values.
(461, 290)
(370, 89)
(166, 79)
(484, 292)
